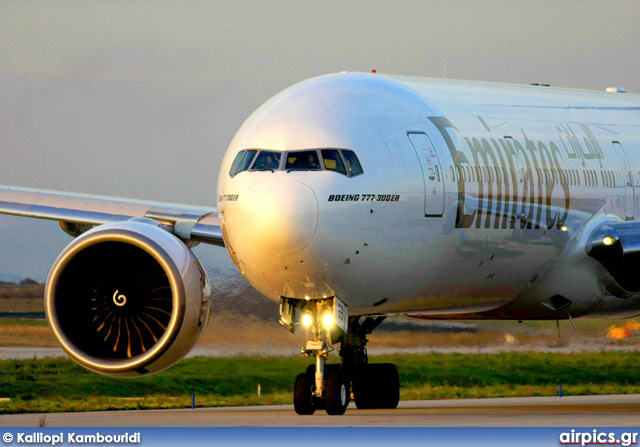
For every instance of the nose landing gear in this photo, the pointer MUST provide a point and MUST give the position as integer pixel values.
(330, 386)
(322, 386)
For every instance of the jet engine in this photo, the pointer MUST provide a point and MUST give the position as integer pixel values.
(127, 299)
(615, 244)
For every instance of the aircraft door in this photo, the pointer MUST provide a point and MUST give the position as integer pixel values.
(431, 173)
(628, 179)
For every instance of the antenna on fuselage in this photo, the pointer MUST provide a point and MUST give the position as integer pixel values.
(444, 76)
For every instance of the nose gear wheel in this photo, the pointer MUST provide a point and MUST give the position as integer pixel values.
(303, 394)
(336, 393)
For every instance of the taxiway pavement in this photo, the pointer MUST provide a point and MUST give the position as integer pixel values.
(568, 411)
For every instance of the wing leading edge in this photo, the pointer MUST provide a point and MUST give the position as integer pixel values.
(79, 212)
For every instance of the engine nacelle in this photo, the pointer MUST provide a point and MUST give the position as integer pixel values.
(127, 299)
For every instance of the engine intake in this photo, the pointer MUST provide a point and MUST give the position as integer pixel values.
(127, 299)
(616, 245)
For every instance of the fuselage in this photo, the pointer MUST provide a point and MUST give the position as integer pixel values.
(444, 199)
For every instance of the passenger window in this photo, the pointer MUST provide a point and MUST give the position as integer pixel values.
(303, 160)
(267, 161)
(332, 161)
(235, 164)
(246, 161)
(353, 165)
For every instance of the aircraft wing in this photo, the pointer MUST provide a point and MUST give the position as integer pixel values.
(78, 213)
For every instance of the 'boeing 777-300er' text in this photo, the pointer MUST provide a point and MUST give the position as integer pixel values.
(350, 197)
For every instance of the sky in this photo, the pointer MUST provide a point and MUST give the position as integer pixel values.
(141, 99)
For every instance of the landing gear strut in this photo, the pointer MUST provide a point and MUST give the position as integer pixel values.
(330, 386)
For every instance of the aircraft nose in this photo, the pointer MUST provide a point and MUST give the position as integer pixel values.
(279, 215)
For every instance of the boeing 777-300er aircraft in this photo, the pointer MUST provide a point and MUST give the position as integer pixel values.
(350, 197)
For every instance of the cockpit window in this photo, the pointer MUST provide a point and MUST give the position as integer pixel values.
(353, 165)
(267, 160)
(342, 161)
(303, 161)
(235, 164)
(245, 162)
(332, 161)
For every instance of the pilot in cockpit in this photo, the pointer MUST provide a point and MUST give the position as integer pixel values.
(271, 162)
(312, 161)
(267, 161)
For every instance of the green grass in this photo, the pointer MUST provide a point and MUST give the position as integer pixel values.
(23, 322)
(61, 385)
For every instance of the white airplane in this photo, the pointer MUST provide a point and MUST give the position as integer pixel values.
(350, 197)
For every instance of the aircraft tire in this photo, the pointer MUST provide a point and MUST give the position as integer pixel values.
(302, 395)
(336, 393)
(390, 396)
(377, 386)
(364, 389)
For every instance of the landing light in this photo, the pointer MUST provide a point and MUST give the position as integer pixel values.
(608, 240)
(327, 320)
(564, 228)
(306, 320)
